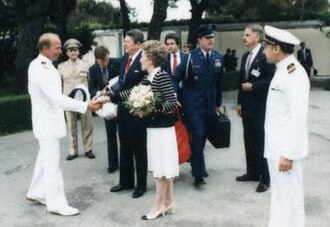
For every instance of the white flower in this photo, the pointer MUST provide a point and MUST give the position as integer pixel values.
(141, 99)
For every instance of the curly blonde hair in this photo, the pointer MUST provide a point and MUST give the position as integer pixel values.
(155, 51)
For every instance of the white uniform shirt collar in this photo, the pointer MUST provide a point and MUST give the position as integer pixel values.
(153, 73)
(204, 52)
(45, 59)
(285, 62)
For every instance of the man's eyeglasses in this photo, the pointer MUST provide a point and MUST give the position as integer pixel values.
(72, 49)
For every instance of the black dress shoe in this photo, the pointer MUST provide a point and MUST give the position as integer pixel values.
(112, 169)
(137, 193)
(262, 187)
(199, 181)
(118, 188)
(246, 177)
(90, 154)
(71, 156)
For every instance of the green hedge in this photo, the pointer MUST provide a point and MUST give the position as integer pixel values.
(15, 114)
(231, 81)
(326, 85)
(16, 110)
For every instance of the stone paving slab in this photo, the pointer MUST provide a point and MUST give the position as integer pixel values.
(221, 202)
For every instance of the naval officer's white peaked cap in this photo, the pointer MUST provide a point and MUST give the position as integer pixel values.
(277, 36)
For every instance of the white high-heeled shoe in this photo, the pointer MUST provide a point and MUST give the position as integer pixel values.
(169, 209)
(154, 216)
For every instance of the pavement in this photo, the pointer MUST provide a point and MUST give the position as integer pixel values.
(222, 202)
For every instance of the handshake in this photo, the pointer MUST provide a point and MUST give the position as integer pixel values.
(97, 103)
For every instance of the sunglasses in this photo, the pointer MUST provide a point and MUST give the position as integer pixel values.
(72, 49)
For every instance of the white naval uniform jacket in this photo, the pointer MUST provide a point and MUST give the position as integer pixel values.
(286, 112)
(48, 103)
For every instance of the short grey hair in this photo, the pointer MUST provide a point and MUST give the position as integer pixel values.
(257, 29)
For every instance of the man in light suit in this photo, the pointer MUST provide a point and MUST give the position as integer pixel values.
(132, 132)
(304, 56)
(255, 76)
(286, 135)
(100, 73)
(48, 103)
(74, 71)
(174, 56)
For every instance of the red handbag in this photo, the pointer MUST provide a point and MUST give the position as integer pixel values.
(182, 138)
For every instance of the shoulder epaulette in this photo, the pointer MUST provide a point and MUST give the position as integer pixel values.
(291, 68)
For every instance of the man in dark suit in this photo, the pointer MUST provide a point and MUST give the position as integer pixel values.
(255, 76)
(202, 94)
(132, 132)
(100, 73)
(304, 56)
(174, 56)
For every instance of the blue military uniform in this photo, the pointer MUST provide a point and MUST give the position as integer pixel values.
(201, 76)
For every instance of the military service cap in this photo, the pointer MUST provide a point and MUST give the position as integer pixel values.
(276, 36)
(72, 43)
(206, 30)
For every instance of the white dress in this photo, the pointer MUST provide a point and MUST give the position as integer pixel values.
(162, 148)
(162, 151)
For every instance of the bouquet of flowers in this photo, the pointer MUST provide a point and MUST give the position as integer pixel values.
(142, 100)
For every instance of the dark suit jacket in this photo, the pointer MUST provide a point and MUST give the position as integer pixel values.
(260, 74)
(167, 65)
(305, 62)
(133, 77)
(95, 81)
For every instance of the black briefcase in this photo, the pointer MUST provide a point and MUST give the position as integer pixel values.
(219, 131)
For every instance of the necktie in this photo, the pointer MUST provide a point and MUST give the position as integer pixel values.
(175, 64)
(105, 75)
(208, 58)
(304, 54)
(128, 65)
(248, 65)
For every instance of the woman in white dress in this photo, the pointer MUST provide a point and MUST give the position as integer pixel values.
(161, 138)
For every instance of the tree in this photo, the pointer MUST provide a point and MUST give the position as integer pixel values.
(124, 9)
(197, 9)
(31, 17)
(7, 38)
(58, 13)
(158, 17)
(265, 10)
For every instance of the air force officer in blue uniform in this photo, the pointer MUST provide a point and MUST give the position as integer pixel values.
(201, 75)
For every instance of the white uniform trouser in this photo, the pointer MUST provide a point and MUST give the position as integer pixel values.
(47, 182)
(287, 196)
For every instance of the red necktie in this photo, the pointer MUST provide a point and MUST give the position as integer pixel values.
(175, 64)
(128, 65)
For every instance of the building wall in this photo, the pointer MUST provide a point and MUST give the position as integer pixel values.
(313, 37)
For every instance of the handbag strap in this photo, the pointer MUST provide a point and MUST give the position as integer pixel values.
(177, 114)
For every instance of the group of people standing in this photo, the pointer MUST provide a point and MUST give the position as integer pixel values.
(194, 82)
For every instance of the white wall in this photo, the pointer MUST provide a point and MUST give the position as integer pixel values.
(314, 38)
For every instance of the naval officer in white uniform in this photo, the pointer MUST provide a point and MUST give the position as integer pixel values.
(48, 103)
(286, 139)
